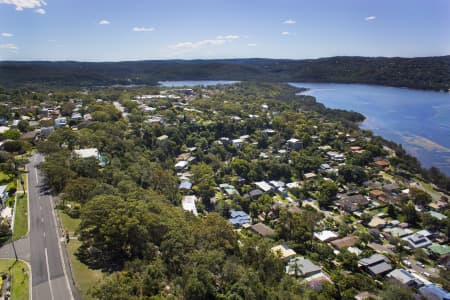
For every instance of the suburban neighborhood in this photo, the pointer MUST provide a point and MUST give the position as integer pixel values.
(330, 200)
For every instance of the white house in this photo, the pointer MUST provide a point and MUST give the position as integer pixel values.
(87, 153)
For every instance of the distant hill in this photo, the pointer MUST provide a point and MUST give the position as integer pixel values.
(421, 73)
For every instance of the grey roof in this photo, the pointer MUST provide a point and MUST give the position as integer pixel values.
(262, 229)
(303, 266)
(380, 268)
(255, 193)
(374, 259)
(404, 277)
(417, 240)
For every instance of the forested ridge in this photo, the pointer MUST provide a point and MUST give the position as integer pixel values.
(430, 73)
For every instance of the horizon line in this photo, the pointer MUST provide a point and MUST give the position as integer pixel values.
(210, 59)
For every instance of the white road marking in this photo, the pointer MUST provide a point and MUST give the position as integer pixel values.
(35, 173)
(42, 220)
(48, 273)
(60, 250)
(44, 234)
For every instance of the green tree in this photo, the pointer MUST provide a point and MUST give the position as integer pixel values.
(419, 197)
(327, 193)
(410, 212)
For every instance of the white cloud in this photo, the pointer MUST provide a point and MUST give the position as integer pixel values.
(290, 21)
(7, 34)
(40, 11)
(143, 29)
(219, 40)
(370, 18)
(228, 37)
(21, 4)
(251, 44)
(199, 44)
(285, 33)
(104, 22)
(8, 46)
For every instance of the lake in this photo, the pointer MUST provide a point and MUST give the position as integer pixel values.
(419, 120)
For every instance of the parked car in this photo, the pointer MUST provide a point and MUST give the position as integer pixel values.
(407, 262)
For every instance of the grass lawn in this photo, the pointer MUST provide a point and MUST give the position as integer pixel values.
(85, 277)
(69, 223)
(20, 283)
(4, 177)
(21, 217)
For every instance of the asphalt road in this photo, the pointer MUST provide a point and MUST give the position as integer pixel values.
(49, 277)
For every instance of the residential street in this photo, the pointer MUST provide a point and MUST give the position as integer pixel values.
(49, 277)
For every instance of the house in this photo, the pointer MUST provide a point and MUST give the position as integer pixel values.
(382, 163)
(181, 165)
(3, 195)
(162, 138)
(391, 187)
(325, 236)
(188, 204)
(439, 250)
(61, 122)
(4, 129)
(310, 175)
(76, 116)
(302, 267)
(432, 292)
(353, 203)
(255, 193)
(425, 233)
(437, 215)
(372, 184)
(377, 222)
(229, 189)
(185, 185)
(294, 144)
(336, 156)
(375, 194)
(239, 218)
(398, 232)
(154, 120)
(376, 264)
(237, 143)
(284, 252)
(345, 242)
(46, 131)
(264, 186)
(87, 153)
(262, 230)
(405, 278)
(417, 241)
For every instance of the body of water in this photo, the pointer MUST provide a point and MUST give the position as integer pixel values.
(419, 120)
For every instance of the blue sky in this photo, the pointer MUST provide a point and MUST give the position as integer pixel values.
(110, 30)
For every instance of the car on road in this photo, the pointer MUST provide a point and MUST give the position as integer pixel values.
(420, 264)
(426, 274)
(407, 262)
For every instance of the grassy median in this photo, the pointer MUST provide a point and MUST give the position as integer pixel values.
(19, 278)
(21, 217)
(85, 277)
